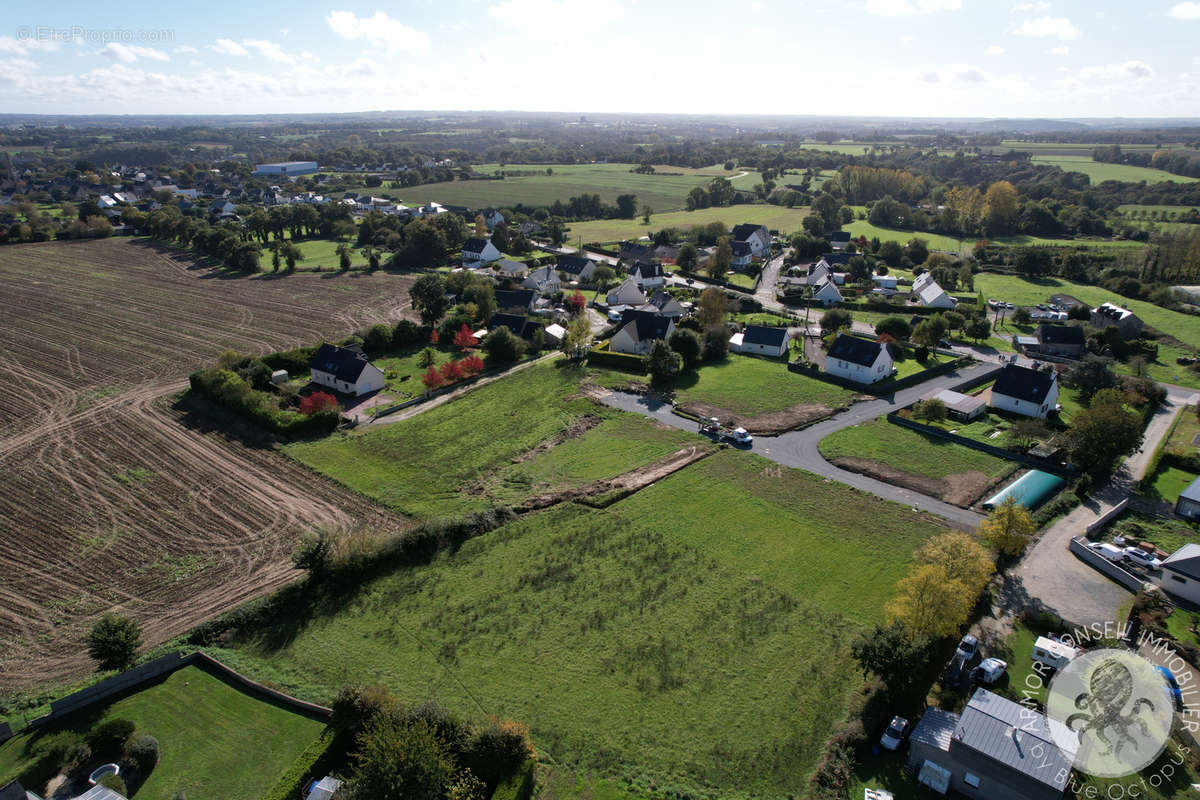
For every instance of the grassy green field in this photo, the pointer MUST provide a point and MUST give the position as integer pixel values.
(911, 452)
(1130, 208)
(1166, 534)
(1098, 171)
(662, 192)
(678, 641)
(937, 241)
(1168, 483)
(780, 218)
(745, 385)
(214, 740)
(450, 459)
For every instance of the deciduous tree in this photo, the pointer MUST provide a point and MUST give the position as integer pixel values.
(711, 307)
(429, 297)
(1008, 528)
(114, 641)
(721, 258)
(929, 603)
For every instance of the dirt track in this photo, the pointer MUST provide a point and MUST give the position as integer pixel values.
(112, 499)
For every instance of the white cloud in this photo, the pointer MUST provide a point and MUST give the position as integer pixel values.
(228, 47)
(24, 47)
(1061, 50)
(903, 8)
(1189, 10)
(1048, 27)
(1108, 78)
(995, 50)
(1025, 8)
(378, 28)
(184, 48)
(270, 50)
(129, 53)
(570, 14)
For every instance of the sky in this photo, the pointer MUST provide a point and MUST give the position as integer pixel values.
(916, 58)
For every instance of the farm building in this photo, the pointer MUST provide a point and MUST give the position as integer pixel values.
(1060, 340)
(763, 341)
(1122, 319)
(756, 236)
(287, 168)
(478, 250)
(858, 360)
(1181, 573)
(345, 369)
(1188, 504)
(639, 329)
(959, 406)
(995, 750)
(1025, 391)
(1030, 490)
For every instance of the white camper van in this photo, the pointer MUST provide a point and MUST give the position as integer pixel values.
(1053, 654)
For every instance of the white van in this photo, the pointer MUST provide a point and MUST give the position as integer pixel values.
(1110, 551)
(1055, 655)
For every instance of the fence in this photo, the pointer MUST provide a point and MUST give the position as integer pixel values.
(6, 732)
(1079, 547)
(114, 685)
(1107, 517)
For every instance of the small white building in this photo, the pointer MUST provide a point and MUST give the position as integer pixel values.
(1025, 391)
(1180, 574)
(478, 250)
(345, 369)
(763, 341)
(886, 282)
(927, 292)
(859, 360)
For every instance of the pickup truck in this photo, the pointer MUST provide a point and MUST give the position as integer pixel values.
(713, 427)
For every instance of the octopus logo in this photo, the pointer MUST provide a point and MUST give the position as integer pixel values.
(1112, 710)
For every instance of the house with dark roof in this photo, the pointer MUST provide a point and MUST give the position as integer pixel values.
(520, 325)
(507, 268)
(647, 275)
(543, 280)
(516, 299)
(478, 250)
(1060, 340)
(345, 369)
(1109, 315)
(576, 268)
(1188, 504)
(1024, 391)
(664, 305)
(639, 329)
(859, 360)
(839, 239)
(491, 217)
(742, 254)
(1180, 573)
(756, 236)
(994, 750)
(762, 340)
(834, 260)
(633, 251)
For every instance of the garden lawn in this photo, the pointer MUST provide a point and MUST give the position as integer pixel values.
(910, 451)
(1184, 430)
(214, 741)
(319, 254)
(1166, 534)
(680, 639)
(403, 373)
(746, 385)
(780, 218)
(1099, 171)
(1168, 483)
(444, 461)
(740, 279)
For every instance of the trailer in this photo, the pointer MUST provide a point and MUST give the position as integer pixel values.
(713, 427)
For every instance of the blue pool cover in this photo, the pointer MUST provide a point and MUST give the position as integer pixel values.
(1030, 490)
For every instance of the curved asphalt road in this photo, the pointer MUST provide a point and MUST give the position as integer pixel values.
(799, 448)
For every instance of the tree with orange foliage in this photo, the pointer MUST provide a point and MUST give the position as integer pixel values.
(318, 401)
(451, 372)
(432, 379)
(464, 340)
(471, 365)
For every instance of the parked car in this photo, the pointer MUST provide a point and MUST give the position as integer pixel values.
(990, 670)
(1172, 686)
(1110, 551)
(1136, 555)
(1009, 306)
(968, 647)
(895, 734)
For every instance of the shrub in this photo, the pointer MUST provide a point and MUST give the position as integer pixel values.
(114, 641)
(355, 706)
(116, 783)
(108, 739)
(64, 751)
(142, 750)
(318, 401)
(406, 334)
(313, 553)
(377, 338)
(498, 750)
(502, 347)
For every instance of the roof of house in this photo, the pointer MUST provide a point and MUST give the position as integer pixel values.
(99, 792)
(764, 336)
(661, 300)
(956, 401)
(1113, 312)
(476, 244)
(1023, 383)
(740, 248)
(646, 269)
(744, 231)
(508, 265)
(855, 350)
(573, 265)
(634, 249)
(12, 791)
(520, 325)
(931, 294)
(935, 728)
(1060, 334)
(343, 363)
(515, 298)
(1012, 735)
(839, 236)
(643, 325)
(1185, 560)
(834, 259)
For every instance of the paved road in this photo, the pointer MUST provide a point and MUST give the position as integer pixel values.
(799, 448)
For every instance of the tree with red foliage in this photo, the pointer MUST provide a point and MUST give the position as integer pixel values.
(577, 302)
(432, 379)
(451, 372)
(433, 336)
(464, 339)
(471, 365)
(318, 401)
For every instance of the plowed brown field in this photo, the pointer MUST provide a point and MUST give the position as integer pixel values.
(108, 499)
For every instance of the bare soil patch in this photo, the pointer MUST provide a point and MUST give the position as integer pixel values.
(116, 500)
(772, 422)
(961, 489)
(577, 428)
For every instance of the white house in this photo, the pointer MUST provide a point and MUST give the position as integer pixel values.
(1025, 391)
(859, 360)
(827, 292)
(492, 218)
(885, 282)
(928, 293)
(1181, 573)
(544, 280)
(478, 250)
(345, 369)
(627, 294)
(921, 281)
(742, 254)
(639, 330)
(756, 236)
(647, 275)
(764, 341)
